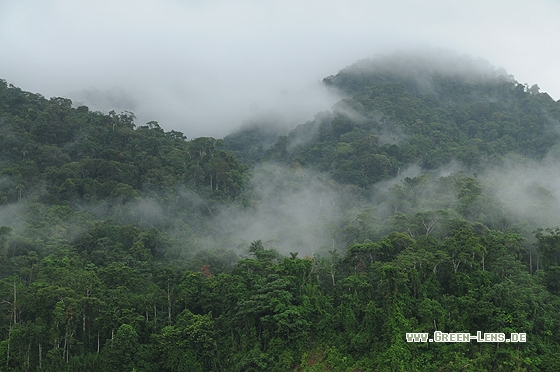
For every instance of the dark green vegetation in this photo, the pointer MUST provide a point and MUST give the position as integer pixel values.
(400, 111)
(115, 240)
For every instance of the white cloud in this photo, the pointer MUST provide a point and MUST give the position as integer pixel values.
(205, 67)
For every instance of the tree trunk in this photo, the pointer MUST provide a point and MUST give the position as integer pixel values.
(28, 354)
(15, 304)
(8, 348)
(168, 303)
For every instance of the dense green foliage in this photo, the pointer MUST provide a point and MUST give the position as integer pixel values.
(78, 154)
(396, 116)
(115, 240)
(351, 312)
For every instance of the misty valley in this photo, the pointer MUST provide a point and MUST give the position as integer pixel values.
(426, 200)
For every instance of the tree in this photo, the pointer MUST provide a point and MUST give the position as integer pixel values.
(120, 351)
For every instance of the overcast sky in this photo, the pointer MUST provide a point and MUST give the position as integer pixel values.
(205, 67)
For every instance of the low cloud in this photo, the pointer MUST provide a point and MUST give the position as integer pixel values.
(292, 210)
(112, 99)
(528, 189)
(203, 68)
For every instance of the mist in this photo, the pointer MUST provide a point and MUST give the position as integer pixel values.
(529, 190)
(295, 209)
(290, 209)
(254, 70)
(205, 68)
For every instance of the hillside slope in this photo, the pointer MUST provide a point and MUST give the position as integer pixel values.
(420, 109)
(129, 248)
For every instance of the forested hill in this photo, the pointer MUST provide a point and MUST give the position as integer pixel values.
(78, 154)
(425, 201)
(415, 109)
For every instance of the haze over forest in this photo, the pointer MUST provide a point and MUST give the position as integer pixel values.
(424, 199)
(205, 68)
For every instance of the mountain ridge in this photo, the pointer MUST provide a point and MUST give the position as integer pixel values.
(472, 115)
